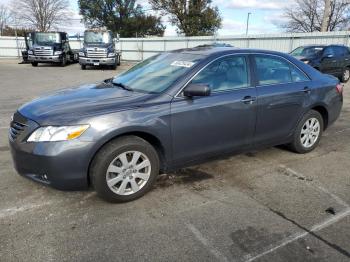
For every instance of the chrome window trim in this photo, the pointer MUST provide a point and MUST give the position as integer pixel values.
(286, 83)
(244, 54)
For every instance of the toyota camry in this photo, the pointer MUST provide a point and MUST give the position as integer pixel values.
(172, 110)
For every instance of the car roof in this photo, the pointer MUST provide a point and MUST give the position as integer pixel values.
(313, 45)
(323, 45)
(204, 50)
(213, 50)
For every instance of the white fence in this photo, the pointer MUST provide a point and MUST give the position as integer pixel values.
(141, 48)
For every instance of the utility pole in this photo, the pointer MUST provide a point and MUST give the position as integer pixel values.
(326, 15)
(247, 29)
(18, 52)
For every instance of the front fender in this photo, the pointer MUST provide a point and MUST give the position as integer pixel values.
(153, 121)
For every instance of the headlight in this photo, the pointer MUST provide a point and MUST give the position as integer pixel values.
(81, 54)
(57, 133)
(111, 55)
(306, 61)
(30, 52)
(58, 53)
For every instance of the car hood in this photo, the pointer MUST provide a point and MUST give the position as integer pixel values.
(81, 102)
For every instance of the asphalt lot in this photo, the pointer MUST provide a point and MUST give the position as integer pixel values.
(262, 206)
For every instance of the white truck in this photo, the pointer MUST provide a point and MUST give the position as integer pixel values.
(99, 49)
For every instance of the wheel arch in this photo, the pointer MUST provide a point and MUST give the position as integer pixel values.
(147, 136)
(324, 113)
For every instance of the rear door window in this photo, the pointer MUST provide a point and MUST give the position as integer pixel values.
(272, 70)
(345, 51)
(339, 51)
(297, 74)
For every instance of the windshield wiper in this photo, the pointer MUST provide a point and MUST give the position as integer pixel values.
(123, 86)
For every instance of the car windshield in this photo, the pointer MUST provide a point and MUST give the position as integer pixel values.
(47, 38)
(157, 73)
(98, 37)
(307, 51)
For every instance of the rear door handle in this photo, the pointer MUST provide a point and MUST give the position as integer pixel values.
(248, 100)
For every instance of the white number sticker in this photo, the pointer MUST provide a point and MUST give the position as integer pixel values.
(182, 63)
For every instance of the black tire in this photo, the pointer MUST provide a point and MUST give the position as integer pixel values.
(64, 61)
(114, 67)
(83, 67)
(118, 60)
(106, 156)
(34, 64)
(345, 75)
(296, 144)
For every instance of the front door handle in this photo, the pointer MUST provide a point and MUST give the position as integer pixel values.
(306, 90)
(248, 100)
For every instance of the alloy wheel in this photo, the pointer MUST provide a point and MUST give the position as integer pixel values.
(128, 173)
(310, 132)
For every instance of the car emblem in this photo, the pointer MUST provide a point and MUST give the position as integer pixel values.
(95, 48)
(42, 48)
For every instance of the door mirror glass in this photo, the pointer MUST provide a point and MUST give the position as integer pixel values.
(197, 90)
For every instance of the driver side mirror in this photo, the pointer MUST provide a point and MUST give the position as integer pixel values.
(197, 90)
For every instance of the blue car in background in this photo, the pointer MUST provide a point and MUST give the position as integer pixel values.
(328, 59)
(172, 110)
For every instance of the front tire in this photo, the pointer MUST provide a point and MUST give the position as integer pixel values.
(118, 60)
(124, 169)
(308, 133)
(35, 64)
(83, 67)
(114, 66)
(64, 60)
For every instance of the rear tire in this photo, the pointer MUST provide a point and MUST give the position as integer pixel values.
(124, 169)
(34, 64)
(345, 75)
(308, 133)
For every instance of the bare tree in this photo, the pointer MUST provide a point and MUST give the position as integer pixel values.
(307, 16)
(43, 15)
(5, 18)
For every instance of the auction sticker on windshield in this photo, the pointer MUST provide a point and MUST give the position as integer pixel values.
(182, 63)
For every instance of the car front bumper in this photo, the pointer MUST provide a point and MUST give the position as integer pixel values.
(97, 61)
(44, 59)
(62, 165)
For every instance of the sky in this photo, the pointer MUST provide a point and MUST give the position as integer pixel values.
(264, 18)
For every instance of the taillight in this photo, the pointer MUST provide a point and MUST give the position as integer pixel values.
(339, 88)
